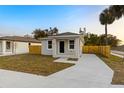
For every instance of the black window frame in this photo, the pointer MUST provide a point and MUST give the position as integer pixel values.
(71, 44)
(49, 44)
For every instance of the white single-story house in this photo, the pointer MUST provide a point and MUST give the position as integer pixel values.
(63, 45)
(10, 45)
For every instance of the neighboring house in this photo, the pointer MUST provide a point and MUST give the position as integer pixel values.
(63, 45)
(16, 44)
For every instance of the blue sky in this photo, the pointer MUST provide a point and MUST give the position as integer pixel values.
(66, 18)
(20, 20)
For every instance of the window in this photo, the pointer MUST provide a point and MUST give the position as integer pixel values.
(29, 44)
(71, 44)
(49, 44)
(8, 45)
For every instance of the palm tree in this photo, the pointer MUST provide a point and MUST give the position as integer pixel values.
(55, 30)
(117, 11)
(106, 18)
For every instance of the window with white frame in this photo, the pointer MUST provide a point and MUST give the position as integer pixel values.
(50, 44)
(8, 45)
(71, 44)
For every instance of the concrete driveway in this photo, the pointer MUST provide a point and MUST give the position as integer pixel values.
(90, 71)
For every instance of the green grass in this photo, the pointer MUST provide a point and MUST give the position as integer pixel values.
(34, 64)
(117, 65)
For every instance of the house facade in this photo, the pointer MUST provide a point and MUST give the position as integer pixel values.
(63, 45)
(10, 45)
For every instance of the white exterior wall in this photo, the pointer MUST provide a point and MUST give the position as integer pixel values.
(81, 44)
(21, 47)
(76, 53)
(54, 45)
(16, 47)
(45, 50)
(77, 47)
(67, 52)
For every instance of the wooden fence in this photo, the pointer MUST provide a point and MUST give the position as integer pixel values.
(35, 49)
(101, 50)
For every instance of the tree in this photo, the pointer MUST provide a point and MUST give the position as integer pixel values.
(112, 40)
(53, 31)
(117, 11)
(93, 40)
(38, 33)
(106, 18)
(50, 31)
(100, 40)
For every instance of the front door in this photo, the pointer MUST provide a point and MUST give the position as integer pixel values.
(61, 47)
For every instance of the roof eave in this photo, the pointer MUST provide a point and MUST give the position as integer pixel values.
(65, 36)
(22, 41)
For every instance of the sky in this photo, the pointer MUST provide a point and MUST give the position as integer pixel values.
(21, 20)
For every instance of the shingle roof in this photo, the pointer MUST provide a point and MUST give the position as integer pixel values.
(19, 38)
(66, 33)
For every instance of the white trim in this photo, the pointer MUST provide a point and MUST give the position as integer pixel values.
(48, 44)
(59, 46)
(69, 45)
(65, 36)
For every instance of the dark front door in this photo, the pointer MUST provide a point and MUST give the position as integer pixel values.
(61, 47)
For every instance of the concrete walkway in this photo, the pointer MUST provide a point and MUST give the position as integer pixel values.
(90, 71)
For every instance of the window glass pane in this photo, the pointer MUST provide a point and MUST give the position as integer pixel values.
(49, 44)
(71, 46)
(29, 44)
(71, 41)
(7, 45)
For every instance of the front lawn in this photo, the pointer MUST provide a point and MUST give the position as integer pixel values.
(117, 65)
(34, 64)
